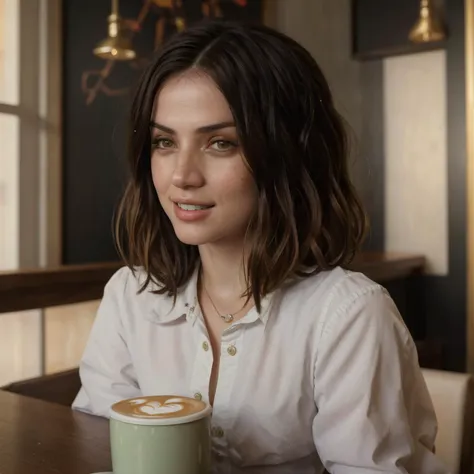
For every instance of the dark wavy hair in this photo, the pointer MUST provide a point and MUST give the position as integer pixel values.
(308, 217)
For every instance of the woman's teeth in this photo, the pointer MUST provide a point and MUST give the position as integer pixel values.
(192, 207)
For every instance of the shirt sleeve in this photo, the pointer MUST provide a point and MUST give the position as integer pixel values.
(374, 410)
(106, 368)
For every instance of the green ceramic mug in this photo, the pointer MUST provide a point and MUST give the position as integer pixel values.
(160, 435)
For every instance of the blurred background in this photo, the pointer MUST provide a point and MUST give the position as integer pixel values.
(401, 76)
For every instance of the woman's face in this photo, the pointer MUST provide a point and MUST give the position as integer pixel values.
(198, 170)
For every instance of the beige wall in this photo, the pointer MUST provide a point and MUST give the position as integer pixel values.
(416, 159)
(66, 331)
(20, 346)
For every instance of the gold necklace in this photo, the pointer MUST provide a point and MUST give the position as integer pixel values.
(228, 317)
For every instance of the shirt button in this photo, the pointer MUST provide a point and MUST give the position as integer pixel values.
(198, 396)
(205, 346)
(232, 350)
(217, 432)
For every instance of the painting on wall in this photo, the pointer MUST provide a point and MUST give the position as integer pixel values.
(155, 22)
(96, 97)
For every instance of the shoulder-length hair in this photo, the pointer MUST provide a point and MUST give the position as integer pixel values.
(308, 217)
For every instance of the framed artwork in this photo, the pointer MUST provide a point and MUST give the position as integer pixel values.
(149, 24)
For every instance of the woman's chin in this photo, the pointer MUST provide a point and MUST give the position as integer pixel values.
(192, 238)
(204, 235)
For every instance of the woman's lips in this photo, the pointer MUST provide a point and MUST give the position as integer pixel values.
(191, 212)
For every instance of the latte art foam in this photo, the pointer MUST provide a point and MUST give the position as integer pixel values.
(159, 407)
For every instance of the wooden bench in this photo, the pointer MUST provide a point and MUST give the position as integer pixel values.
(60, 388)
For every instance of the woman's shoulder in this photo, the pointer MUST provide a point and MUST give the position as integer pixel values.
(350, 299)
(132, 283)
(136, 294)
(337, 285)
(339, 296)
(126, 279)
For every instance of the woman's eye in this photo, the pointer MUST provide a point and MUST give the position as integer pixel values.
(223, 145)
(162, 143)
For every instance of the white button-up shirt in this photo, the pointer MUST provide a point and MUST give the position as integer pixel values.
(326, 375)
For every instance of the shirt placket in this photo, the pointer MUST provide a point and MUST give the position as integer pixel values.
(223, 414)
(222, 417)
(203, 360)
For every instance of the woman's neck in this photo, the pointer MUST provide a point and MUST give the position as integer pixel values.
(223, 270)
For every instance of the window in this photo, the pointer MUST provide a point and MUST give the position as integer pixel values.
(29, 150)
(9, 51)
(9, 133)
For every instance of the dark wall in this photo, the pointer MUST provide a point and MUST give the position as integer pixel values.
(95, 134)
(437, 306)
(372, 150)
(381, 28)
(445, 297)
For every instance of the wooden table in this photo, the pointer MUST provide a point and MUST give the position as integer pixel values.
(38, 437)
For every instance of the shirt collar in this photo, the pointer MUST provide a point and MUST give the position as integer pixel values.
(160, 308)
(162, 311)
(266, 307)
(253, 316)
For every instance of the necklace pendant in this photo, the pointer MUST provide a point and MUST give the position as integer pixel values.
(228, 318)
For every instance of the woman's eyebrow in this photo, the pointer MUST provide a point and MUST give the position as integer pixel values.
(204, 129)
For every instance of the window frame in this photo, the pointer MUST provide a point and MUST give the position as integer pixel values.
(39, 113)
(38, 199)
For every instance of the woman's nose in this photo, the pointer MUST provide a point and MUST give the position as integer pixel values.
(187, 172)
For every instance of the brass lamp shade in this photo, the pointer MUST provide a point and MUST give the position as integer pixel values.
(116, 46)
(428, 28)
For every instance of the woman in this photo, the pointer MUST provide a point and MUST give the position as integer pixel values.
(235, 225)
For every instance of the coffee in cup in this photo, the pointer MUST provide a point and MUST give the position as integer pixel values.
(160, 434)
